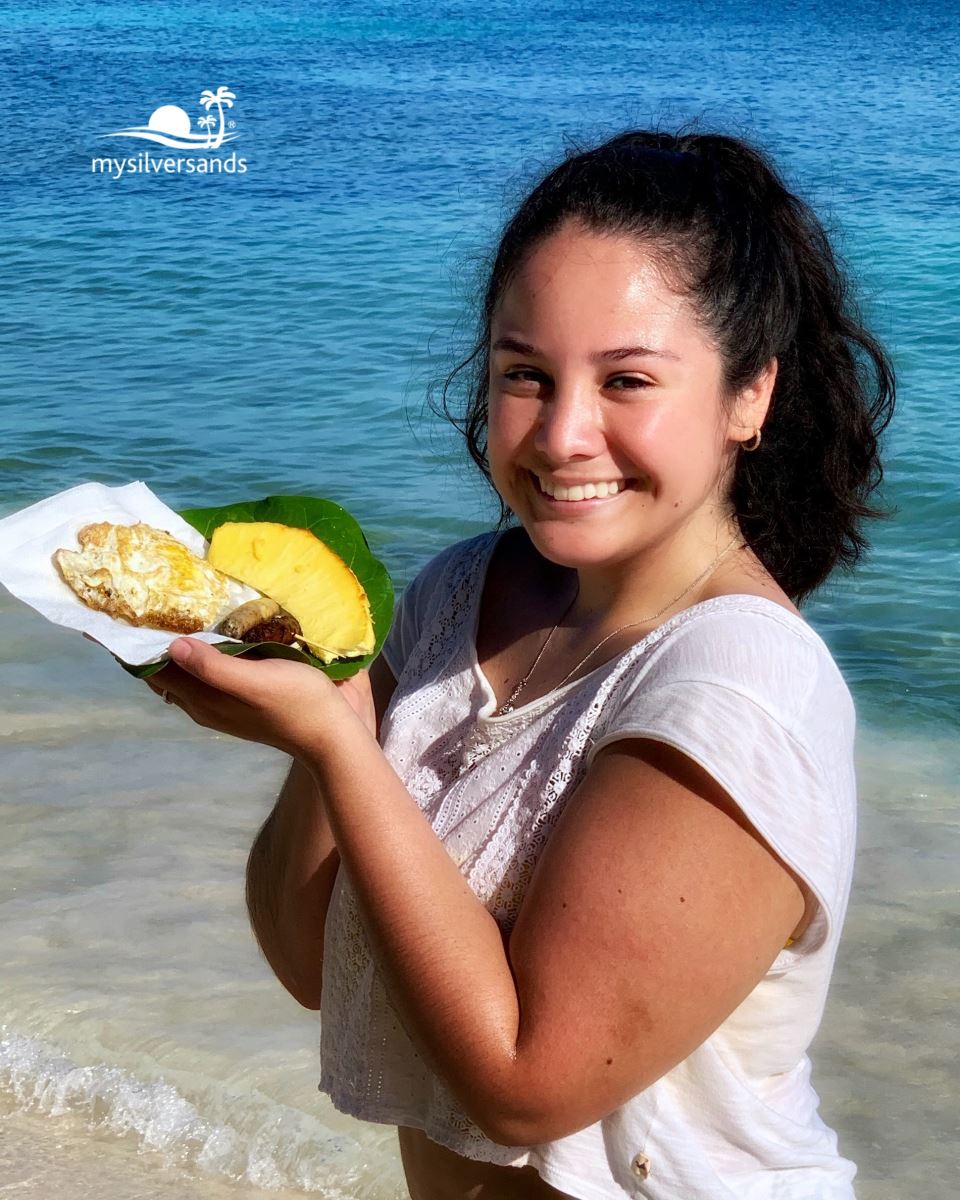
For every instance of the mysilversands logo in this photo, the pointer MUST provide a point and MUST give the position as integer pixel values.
(170, 126)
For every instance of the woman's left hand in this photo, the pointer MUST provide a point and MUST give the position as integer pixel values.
(289, 705)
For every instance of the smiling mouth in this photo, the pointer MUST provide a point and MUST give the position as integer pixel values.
(594, 492)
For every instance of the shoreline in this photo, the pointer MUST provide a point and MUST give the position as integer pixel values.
(43, 1157)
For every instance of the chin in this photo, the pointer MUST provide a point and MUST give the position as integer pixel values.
(565, 546)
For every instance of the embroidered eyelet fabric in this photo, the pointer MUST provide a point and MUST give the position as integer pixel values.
(750, 692)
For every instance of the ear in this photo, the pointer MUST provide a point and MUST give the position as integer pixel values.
(752, 404)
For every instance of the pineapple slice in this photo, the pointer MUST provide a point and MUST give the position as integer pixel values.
(304, 576)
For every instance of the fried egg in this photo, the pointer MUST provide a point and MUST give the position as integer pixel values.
(144, 576)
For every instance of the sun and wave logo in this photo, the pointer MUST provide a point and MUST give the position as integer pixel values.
(170, 126)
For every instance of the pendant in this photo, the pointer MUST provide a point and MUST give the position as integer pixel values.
(504, 709)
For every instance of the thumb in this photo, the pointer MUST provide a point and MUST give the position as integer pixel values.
(200, 659)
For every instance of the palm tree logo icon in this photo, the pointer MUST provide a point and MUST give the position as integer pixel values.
(207, 123)
(169, 125)
(222, 96)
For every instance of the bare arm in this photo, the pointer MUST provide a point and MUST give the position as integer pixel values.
(291, 871)
(650, 915)
(292, 868)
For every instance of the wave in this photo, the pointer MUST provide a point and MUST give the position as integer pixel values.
(191, 141)
(278, 1147)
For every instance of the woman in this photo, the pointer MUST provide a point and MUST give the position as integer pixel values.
(566, 871)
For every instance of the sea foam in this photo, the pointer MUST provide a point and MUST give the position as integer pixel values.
(288, 1149)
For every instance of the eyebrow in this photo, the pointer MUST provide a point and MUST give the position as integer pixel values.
(598, 356)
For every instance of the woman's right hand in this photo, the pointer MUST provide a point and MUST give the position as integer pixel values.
(356, 691)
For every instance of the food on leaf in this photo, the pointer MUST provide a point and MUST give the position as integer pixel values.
(261, 620)
(144, 576)
(297, 570)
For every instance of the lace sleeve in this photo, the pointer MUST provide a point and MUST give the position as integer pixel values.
(418, 605)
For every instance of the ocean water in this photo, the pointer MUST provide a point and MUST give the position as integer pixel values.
(234, 335)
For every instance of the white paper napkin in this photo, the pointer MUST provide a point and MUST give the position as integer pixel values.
(28, 539)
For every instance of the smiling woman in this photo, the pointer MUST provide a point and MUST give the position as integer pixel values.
(566, 871)
(633, 747)
(568, 420)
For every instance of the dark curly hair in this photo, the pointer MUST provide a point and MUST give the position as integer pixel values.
(758, 266)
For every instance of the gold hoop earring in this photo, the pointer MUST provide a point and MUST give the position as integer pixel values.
(753, 443)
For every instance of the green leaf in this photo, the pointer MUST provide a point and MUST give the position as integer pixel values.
(335, 527)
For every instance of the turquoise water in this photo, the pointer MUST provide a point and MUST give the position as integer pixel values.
(235, 335)
(232, 336)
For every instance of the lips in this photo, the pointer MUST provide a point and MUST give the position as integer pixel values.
(588, 493)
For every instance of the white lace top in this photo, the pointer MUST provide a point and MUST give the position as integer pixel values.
(749, 691)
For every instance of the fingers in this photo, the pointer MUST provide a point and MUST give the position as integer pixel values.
(194, 668)
(199, 660)
(279, 703)
(196, 672)
(204, 704)
(169, 682)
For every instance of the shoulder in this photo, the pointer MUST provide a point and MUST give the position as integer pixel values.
(466, 550)
(438, 587)
(444, 568)
(749, 645)
(728, 669)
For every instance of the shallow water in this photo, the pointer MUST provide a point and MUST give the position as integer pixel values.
(229, 337)
(139, 1016)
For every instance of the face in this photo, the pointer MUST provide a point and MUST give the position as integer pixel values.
(601, 375)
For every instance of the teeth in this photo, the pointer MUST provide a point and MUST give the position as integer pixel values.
(585, 491)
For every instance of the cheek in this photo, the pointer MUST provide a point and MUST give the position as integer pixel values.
(507, 429)
(676, 454)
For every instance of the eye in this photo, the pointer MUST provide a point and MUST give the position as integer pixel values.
(525, 382)
(520, 371)
(530, 375)
(632, 381)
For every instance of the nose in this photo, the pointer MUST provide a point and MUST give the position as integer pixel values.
(569, 425)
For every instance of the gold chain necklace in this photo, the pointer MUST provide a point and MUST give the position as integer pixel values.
(508, 704)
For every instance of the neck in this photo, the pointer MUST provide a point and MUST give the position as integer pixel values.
(669, 575)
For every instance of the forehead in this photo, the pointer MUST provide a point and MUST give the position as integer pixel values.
(582, 280)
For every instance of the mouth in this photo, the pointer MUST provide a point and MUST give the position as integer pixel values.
(579, 501)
